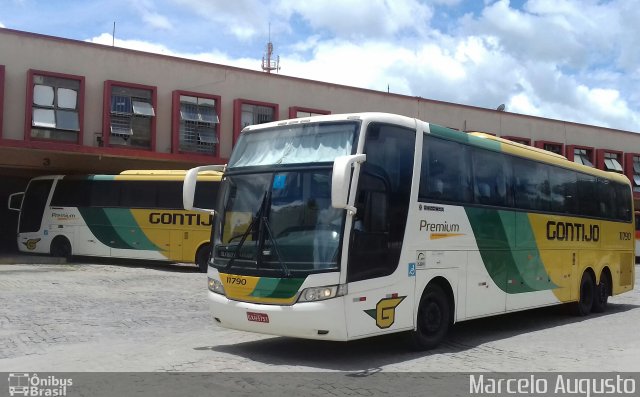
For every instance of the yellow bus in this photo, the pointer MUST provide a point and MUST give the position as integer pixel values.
(343, 227)
(136, 214)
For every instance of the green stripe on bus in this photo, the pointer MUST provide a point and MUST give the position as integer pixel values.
(512, 269)
(128, 229)
(281, 288)
(101, 227)
(528, 260)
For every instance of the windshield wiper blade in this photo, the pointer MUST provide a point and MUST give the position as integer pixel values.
(274, 244)
(252, 225)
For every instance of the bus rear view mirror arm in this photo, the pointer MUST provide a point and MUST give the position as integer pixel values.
(341, 180)
(189, 187)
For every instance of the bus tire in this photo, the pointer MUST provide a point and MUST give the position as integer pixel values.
(61, 247)
(587, 293)
(433, 318)
(602, 292)
(202, 258)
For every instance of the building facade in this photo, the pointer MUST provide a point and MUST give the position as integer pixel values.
(68, 106)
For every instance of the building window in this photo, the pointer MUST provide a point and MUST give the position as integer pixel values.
(55, 106)
(609, 160)
(553, 147)
(196, 122)
(256, 114)
(247, 112)
(297, 112)
(581, 155)
(632, 164)
(130, 114)
(522, 141)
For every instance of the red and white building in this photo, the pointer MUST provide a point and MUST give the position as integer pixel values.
(69, 106)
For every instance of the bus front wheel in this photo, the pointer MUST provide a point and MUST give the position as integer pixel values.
(587, 294)
(61, 247)
(202, 258)
(433, 320)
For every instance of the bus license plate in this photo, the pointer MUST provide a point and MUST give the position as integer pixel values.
(258, 317)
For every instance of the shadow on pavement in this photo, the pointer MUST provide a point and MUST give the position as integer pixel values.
(368, 356)
(39, 260)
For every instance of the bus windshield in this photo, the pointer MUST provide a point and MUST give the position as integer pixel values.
(277, 218)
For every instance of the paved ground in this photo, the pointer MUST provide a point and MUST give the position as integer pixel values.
(103, 317)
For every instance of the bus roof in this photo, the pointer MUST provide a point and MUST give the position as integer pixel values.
(516, 144)
(546, 156)
(160, 175)
(472, 138)
(140, 175)
(166, 172)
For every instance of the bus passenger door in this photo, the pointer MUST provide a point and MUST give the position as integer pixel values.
(381, 281)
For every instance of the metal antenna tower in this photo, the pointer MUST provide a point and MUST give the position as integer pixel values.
(267, 63)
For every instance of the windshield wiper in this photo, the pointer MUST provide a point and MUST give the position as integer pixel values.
(265, 226)
(252, 225)
(262, 221)
(274, 244)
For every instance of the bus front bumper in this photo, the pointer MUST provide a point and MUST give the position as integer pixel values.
(323, 320)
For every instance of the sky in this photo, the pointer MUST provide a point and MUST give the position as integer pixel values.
(573, 60)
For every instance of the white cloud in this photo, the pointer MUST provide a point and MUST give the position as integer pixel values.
(243, 19)
(2, 25)
(157, 21)
(571, 60)
(150, 16)
(361, 18)
(212, 57)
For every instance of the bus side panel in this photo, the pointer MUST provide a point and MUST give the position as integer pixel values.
(127, 238)
(77, 229)
(381, 305)
(569, 246)
(177, 234)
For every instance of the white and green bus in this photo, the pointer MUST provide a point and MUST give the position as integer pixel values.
(136, 214)
(343, 227)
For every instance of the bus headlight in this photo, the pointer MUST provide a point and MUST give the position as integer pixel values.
(321, 293)
(215, 286)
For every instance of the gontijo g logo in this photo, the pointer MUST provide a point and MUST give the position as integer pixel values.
(49, 386)
(385, 311)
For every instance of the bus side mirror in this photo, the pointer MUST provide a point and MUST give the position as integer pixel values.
(341, 180)
(15, 201)
(189, 187)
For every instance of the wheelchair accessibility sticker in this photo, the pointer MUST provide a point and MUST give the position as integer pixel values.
(412, 269)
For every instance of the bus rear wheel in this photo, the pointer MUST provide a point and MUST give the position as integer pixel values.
(433, 320)
(587, 293)
(202, 258)
(602, 294)
(61, 247)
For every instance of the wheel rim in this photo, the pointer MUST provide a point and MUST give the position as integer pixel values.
(431, 317)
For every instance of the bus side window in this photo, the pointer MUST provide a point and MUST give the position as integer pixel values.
(444, 174)
(492, 178)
